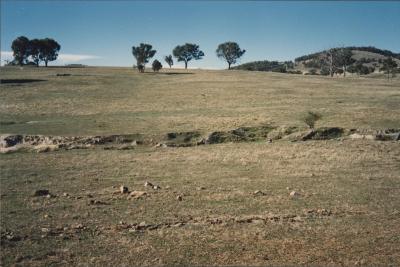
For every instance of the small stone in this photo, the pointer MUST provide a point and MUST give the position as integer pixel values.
(134, 143)
(137, 194)
(259, 193)
(156, 187)
(179, 198)
(45, 230)
(294, 194)
(200, 188)
(160, 145)
(269, 140)
(258, 221)
(65, 194)
(41, 193)
(142, 224)
(46, 216)
(123, 189)
(147, 183)
(78, 226)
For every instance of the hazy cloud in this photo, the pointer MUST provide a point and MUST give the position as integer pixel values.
(75, 57)
(61, 59)
(5, 56)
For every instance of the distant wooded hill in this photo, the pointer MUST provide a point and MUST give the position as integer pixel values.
(364, 60)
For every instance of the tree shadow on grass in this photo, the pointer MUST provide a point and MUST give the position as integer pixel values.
(176, 73)
(19, 81)
(169, 73)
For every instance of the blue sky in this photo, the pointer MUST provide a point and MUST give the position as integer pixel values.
(103, 32)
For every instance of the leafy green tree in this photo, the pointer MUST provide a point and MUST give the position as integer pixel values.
(143, 53)
(34, 51)
(169, 60)
(230, 52)
(389, 66)
(156, 65)
(331, 60)
(49, 49)
(344, 59)
(187, 52)
(20, 48)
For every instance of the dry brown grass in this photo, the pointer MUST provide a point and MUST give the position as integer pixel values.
(347, 212)
(119, 100)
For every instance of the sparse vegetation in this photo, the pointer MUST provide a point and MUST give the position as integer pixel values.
(230, 52)
(142, 54)
(156, 66)
(310, 118)
(169, 60)
(187, 52)
(389, 67)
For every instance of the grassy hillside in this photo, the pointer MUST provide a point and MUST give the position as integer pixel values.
(119, 100)
(279, 202)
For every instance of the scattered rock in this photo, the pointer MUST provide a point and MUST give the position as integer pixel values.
(324, 212)
(201, 188)
(41, 193)
(10, 140)
(96, 202)
(137, 194)
(323, 133)
(148, 184)
(294, 194)
(45, 230)
(78, 226)
(42, 148)
(65, 194)
(258, 193)
(258, 221)
(362, 136)
(156, 187)
(160, 145)
(12, 237)
(123, 189)
(134, 143)
(179, 198)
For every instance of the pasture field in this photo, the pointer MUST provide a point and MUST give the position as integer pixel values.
(221, 203)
